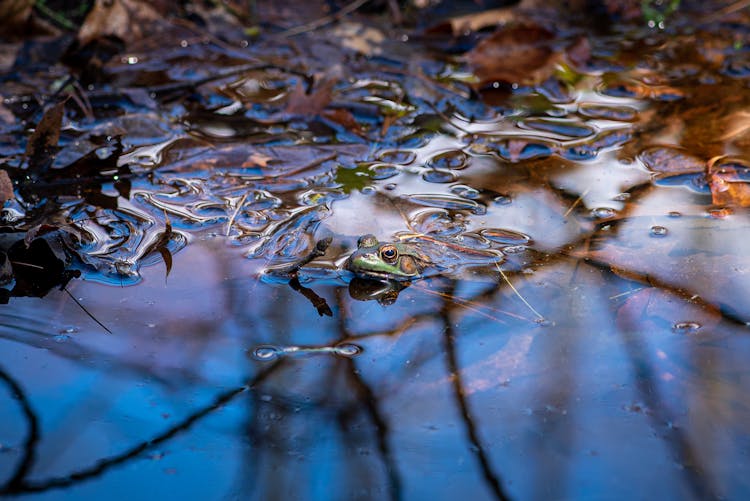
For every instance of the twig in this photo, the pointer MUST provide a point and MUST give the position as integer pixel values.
(318, 23)
(87, 312)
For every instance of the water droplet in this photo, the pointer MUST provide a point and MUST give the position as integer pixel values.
(675, 213)
(438, 176)
(348, 350)
(456, 159)
(465, 191)
(61, 338)
(368, 190)
(502, 200)
(397, 157)
(603, 213)
(686, 327)
(658, 231)
(390, 186)
(69, 330)
(622, 197)
(266, 352)
(383, 171)
(544, 322)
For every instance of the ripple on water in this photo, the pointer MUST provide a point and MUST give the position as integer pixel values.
(450, 202)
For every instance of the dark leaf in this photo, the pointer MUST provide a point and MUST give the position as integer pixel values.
(42, 145)
(516, 54)
(6, 269)
(39, 266)
(313, 103)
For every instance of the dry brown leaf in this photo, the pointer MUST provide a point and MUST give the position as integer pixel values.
(128, 20)
(344, 118)
(42, 144)
(738, 124)
(300, 102)
(257, 160)
(670, 160)
(6, 187)
(515, 54)
(13, 15)
(477, 21)
(727, 186)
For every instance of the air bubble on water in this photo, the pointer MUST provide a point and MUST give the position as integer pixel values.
(686, 327)
(622, 197)
(368, 190)
(348, 350)
(266, 352)
(544, 322)
(69, 330)
(603, 213)
(514, 249)
(465, 191)
(658, 231)
(61, 338)
(675, 213)
(502, 200)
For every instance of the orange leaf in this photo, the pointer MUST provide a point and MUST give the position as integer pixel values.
(728, 186)
(257, 160)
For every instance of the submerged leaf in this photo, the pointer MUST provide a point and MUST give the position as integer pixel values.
(516, 54)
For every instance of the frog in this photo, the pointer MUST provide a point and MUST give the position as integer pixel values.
(398, 261)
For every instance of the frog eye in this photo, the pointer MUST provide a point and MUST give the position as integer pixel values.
(389, 253)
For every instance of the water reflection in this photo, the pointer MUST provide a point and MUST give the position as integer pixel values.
(584, 332)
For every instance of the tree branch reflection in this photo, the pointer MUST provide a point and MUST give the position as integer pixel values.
(18, 484)
(491, 477)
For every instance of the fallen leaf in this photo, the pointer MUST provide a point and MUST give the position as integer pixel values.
(257, 160)
(300, 102)
(729, 182)
(514, 54)
(344, 118)
(42, 145)
(13, 15)
(6, 187)
(128, 20)
(670, 160)
(479, 20)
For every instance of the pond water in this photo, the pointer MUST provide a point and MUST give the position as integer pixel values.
(601, 352)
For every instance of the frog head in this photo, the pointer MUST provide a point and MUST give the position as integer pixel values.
(386, 261)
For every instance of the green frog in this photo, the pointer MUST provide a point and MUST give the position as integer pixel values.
(400, 261)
